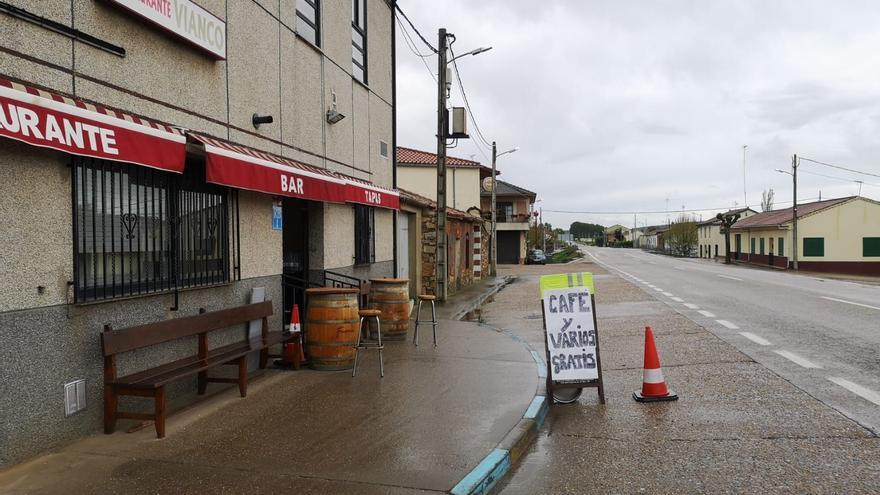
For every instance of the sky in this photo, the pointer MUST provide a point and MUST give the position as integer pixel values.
(623, 106)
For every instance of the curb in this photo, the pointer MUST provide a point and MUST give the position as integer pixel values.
(514, 445)
(482, 297)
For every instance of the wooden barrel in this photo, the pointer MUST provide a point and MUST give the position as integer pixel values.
(391, 296)
(331, 327)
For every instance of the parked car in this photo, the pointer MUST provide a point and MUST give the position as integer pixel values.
(536, 257)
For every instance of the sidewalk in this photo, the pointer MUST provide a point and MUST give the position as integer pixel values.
(737, 428)
(422, 428)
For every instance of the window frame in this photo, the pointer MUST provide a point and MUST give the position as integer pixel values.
(815, 243)
(869, 251)
(780, 246)
(315, 25)
(364, 234)
(359, 15)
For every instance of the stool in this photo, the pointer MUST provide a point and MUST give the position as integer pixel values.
(432, 321)
(365, 315)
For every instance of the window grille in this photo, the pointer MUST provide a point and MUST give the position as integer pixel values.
(140, 231)
(308, 15)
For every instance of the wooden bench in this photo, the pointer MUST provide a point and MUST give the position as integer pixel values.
(151, 382)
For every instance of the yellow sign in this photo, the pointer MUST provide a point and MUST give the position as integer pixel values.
(567, 280)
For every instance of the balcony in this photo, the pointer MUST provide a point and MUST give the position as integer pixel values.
(518, 221)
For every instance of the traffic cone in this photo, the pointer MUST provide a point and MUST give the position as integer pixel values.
(653, 384)
(294, 350)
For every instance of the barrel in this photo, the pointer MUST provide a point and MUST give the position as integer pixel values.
(391, 296)
(331, 327)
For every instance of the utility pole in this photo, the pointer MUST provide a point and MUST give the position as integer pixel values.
(442, 130)
(543, 234)
(745, 197)
(493, 245)
(633, 236)
(794, 215)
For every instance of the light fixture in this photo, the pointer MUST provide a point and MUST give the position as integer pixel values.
(261, 119)
(333, 116)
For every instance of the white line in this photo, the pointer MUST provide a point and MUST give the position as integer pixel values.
(806, 363)
(731, 278)
(706, 313)
(677, 299)
(691, 306)
(667, 294)
(645, 282)
(865, 393)
(850, 302)
(728, 324)
(756, 339)
(658, 289)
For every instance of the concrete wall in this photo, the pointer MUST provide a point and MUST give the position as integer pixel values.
(843, 228)
(462, 184)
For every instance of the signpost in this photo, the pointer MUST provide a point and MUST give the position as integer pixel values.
(571, 336)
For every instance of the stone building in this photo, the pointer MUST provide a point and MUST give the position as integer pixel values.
(159, 160)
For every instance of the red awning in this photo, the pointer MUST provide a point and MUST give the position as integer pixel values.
(50, 120)
(246, 168)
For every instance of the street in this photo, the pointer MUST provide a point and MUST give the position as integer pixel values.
(820, 334)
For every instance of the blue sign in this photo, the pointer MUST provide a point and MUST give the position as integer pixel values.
(276, 217)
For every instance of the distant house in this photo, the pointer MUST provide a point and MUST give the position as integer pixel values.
(513, 209)
(836, 235)
(651, 238)
(617, 233)
(710, 236)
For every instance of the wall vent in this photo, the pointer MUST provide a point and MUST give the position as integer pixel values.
(383, 149)
(74, 397)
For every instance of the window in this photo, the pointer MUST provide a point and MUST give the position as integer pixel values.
(383, 149)
(870, 247)
(359, 39)
(308, 15)
(738, 242)
(364, 234)
(753, 246)
(781, 245)
(504, 211)
(814, 246)
(141, 231)
(762, 246)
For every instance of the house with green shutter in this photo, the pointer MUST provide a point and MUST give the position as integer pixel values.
(836, 236)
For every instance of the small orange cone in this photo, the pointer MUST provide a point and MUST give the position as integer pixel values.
(294, 350)
(653, 384)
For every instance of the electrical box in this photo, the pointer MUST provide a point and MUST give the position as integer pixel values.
(459, 123)
(74, 397)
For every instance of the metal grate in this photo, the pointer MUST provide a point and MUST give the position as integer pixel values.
(140, 231)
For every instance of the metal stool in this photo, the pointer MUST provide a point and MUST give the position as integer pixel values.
(365, 315)
(432, 321)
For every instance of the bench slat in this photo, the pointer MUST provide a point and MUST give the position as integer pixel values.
(127, 339)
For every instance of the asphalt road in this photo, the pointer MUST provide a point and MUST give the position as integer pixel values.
(822, 335)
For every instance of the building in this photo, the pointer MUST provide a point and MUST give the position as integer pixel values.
(154, 165)
(417, 173)
(652, 237)
(837, 235)
(617, 233)
(513, 207)
(710, 236)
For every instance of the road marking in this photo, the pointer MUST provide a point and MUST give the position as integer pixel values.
(691, 306)
(667, 294)
(754, 338)
(806, 363)
(731, 278)
(706, 313)
(658, 289)
(865, 393)
(850, 302)
(677, 299)
(728, 324)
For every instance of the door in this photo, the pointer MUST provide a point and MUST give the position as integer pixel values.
(403, 253)
(295, 255)
(508, 247)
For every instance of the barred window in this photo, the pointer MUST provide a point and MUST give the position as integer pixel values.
(140, 231)
(359, 39)
(364, 234)
(308, 15)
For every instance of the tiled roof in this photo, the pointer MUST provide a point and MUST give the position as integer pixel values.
(410, 156)
(412, 198)
(508, 189)
(775, 218)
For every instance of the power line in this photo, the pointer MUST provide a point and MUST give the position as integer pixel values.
(839, 167)
(467, 104)
(840, 178)
(429, 45)
(657, 212)
(410, 44)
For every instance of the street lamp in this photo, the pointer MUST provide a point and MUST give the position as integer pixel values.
(493, 255)
(442, 133)
(794, 237)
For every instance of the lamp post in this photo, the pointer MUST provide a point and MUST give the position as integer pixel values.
(442, 131)
(493, 254)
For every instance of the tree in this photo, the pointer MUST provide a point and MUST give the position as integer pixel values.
(727, 219)
(681, 238)
(767, 200)
(580, 230)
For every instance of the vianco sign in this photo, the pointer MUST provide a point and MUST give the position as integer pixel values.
(185, 19)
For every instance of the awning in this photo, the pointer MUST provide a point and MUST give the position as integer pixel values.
(246, 168)
(50, 120)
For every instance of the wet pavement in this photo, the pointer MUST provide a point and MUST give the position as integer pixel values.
(423, 427)
(738, 427)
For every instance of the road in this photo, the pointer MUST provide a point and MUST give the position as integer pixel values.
(822, 335)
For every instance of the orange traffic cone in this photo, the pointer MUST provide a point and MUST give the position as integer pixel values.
(294, 350)
(653, 384)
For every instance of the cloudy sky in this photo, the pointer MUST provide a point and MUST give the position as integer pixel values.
(619, 106)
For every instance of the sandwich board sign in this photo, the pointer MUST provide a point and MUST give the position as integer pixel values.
(571, 335)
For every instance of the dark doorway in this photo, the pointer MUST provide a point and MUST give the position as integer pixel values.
(295, 254)
(508, 247)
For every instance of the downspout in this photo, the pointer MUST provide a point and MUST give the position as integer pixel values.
(394, 129)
